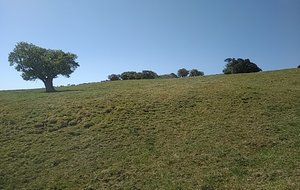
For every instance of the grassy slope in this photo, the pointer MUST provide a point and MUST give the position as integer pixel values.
(214, 132)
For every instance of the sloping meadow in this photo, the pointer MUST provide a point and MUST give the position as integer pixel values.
(215, 132)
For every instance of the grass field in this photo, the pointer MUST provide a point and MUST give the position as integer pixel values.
(216, 132)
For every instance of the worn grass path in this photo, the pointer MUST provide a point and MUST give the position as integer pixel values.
(215, 132)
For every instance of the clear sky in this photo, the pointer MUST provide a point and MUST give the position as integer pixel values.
(113, 36)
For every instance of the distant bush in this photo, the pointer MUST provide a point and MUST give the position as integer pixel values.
(182, 72)
(114, 77)
(131, 75)
(149, 74)
(173, 75)
(195, 72)
(168, 76)
(139, 75)
(240, 66)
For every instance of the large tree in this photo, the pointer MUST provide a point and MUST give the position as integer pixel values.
(44, 64)
(240, 66)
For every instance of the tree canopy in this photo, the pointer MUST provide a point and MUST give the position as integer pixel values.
(44, 64)
(239, 66)
(131, 75)
(146, 74)
(114, 77)
(196, 72)
(182, 72)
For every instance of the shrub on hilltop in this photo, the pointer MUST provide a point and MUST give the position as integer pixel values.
(168, 76)
(114, 77)
(182, 72)
(240, 66)
(146, 74)
(195, 72)
(131, 75)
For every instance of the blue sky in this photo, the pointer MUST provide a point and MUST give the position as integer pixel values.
(112, 36)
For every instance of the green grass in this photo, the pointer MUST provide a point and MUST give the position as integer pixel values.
(215, 132)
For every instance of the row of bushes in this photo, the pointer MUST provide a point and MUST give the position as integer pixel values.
(233, 66)
(147, 74)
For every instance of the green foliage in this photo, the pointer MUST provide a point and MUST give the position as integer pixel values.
(39, 63)
(114, 77)
(182, 72)
(195, 72)
(131, 75)
(173, 75)
(167, 76)
(240, 66)
(212, 132)
(149, 74)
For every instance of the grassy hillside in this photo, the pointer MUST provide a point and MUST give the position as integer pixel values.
(215, 132)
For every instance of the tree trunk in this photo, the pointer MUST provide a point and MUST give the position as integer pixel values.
(49, 85)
